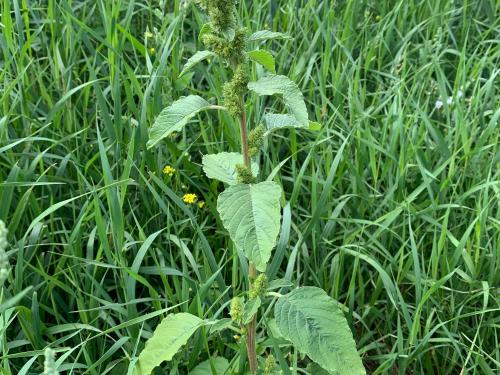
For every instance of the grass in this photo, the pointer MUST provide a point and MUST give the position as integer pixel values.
(393, 208)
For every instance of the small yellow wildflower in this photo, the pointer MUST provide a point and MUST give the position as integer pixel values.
(190, 198)
(152, 51)
(201, 204)
(169, 170)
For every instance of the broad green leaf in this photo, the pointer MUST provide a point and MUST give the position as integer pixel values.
(171, 334)
(276, 84)
(220, 364)
(222, 166)
(273, 329)
(263, 58)
(250, 309)
(195, 59)
(176, 116)
(315, 324)
(266, 35)
(251, 214)
(276, 122)
(315, 369)
(220, 325)
(278, 284)
(181, 83)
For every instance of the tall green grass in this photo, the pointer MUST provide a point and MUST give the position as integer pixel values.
(393, 208)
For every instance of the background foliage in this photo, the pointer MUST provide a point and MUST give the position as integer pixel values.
(395, 201)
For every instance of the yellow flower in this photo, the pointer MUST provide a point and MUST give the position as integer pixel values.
(169, 170)
(201, 204)
(190, 198)
(152, 51)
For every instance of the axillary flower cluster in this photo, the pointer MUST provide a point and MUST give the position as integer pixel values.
(223, 38)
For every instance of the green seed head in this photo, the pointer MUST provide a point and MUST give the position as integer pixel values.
(259, 286)
(244, 174)
(255, 140)
(203, 4)
(231, 100)
(49, 364)
(234, 90)
(269, 365)
(232, 51)
(3, 235)
(236, 309)
(4, 259)
(221, 13)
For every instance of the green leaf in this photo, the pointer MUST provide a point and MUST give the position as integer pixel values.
(276, 84)
(11, 302)
(195, 59)
(263, 58)
(170, 335)
(273, 331)
(251, 214)
(220, 325)
(315, 324)
(276, 122)
(205, 29)
(315, 369)
(278, 284)
(250, 309)
(181, 83)
(176, 116)
(267, 35)
(314, 126)
(222, 166)
(220, 364)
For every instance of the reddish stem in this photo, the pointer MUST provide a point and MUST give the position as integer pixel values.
(252, 354)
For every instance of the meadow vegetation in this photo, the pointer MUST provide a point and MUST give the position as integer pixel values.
(392, 207)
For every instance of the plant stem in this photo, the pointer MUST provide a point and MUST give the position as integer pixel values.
(252, 355)
(252, 271)
(244, 136)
